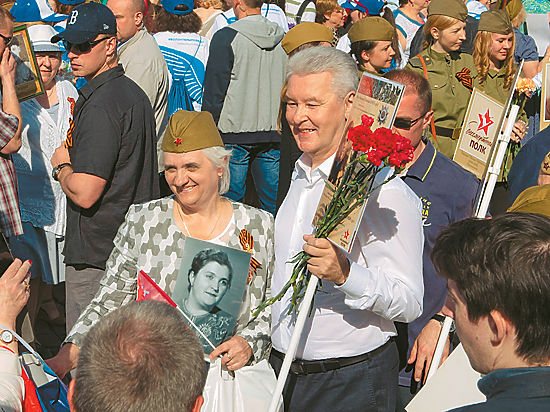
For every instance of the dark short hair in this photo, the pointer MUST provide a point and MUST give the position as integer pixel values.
(206, 256)
(414, 83)
(141, 357)
(357, 48)
(165, 21)
(254, 4)
(503, 264)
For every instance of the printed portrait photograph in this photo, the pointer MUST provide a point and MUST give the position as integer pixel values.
(28, 83)
(210, 289)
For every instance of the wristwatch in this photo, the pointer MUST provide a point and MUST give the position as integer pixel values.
(441, 319)
(57, 169)
(6, 336)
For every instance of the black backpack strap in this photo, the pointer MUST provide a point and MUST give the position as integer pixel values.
(301, 11)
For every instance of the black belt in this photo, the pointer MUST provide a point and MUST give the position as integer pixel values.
(447, 132)
(304, 367)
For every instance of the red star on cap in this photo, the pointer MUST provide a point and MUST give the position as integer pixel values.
(178, 141)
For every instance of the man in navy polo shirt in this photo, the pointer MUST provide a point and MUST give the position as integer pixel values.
(108, 161)
(448, 193)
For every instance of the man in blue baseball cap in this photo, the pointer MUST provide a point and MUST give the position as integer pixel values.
(108, 161)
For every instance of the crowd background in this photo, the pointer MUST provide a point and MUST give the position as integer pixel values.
(224, 58)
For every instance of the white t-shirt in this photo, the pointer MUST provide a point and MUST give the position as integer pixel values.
(408, 28)
(186, 55)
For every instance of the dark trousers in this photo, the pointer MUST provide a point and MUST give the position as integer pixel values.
(370, 385)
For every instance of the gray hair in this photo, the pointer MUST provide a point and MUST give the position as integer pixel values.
(321, 59)
(219, 156)
(140, 357)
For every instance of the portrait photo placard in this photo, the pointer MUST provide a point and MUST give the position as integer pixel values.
(479, 133)
(210, 289)
(378, 98)
(28, 83)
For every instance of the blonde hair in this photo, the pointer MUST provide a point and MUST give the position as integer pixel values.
(323, 7)
(438, 21)
(482, 46)
(519, 19)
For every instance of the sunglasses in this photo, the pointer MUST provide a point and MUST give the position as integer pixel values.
(82, 47)
(405, 124)
(7, 40)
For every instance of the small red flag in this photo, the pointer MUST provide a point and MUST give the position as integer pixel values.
(147, 289)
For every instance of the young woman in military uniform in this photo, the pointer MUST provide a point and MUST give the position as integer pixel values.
(494, 60)
(451, 74)
(372, 44)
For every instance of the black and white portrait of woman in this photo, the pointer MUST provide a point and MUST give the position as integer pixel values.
(209, 291)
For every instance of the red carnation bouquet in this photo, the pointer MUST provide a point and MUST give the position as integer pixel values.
(372, 151)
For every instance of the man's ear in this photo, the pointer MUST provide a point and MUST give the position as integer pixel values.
(138, 19)
(500, 327)
(198, 404)
(70, 394)
(348, 101)
(427, 119)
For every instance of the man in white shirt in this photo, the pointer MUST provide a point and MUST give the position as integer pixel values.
(346, 358)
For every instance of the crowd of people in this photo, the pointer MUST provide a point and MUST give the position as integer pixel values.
(220, 121)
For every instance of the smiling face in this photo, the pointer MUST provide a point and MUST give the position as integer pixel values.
(192, 177)
(379, 57)
(500, 48)
(316, 115)
(336, 19)
(48, 64)
(209, 285)
(450, 39)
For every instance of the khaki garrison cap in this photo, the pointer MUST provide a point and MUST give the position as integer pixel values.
(545, 165)
(535, 199)
(189, 131)
(371, 28)
(496, 21)
(513, 7)
(451, 8)
(304, 33)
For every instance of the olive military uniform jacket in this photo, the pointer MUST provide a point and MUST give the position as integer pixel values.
(451, 77)
(149, 240)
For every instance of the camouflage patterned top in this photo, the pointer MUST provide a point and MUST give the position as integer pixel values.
(149, 240)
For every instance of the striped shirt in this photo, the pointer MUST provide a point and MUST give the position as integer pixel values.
(475, 8)
(408, 28)
(293, 6)
(10, 218)
(272, 12)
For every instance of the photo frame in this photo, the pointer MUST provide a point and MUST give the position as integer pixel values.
(545, 98)
(211, 288)
(28, 82)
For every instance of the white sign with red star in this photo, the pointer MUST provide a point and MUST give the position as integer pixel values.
(479, 133)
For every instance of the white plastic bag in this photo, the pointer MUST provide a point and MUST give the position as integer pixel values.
(248, 389)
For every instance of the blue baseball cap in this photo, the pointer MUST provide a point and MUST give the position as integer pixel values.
(371, 7)
(170, 6)
(71, 2)
(86, 22)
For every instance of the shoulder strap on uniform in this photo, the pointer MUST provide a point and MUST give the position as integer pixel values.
(301, 11)
(425, 69)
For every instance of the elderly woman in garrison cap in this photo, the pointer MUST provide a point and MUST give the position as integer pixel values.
(372, 44)
(152, 238)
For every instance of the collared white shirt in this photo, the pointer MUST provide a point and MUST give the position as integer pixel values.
(385, 280)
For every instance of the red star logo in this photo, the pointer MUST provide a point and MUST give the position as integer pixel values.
(177, 142)
(346, 235)
(484, 122)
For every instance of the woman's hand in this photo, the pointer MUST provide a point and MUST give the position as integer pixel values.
(519, 130)
(14, 291)
(236, 353)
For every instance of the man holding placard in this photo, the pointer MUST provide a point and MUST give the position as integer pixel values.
(347, 359)
(499, 294)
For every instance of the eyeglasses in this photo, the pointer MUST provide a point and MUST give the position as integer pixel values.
(7, 40)
(405, 124)
(82, 47)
